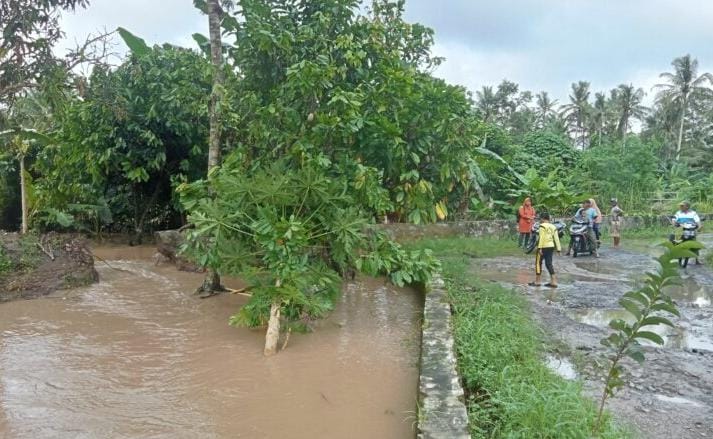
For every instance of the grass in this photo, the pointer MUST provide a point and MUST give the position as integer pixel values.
(500, 350)
(451, 247)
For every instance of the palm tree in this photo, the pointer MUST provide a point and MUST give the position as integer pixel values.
(577, 112)
(599, 115)
(627, 104)
(487, 103)
(544, 108)
(683, 87)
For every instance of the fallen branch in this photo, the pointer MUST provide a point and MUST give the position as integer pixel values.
(240, 291)
(49, 253)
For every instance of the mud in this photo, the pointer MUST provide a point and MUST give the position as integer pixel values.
(38, 266)
(671, 396)
(138, 355)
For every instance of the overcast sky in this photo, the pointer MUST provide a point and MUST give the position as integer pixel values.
(539, 44)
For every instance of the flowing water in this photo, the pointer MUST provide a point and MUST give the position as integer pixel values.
(138, 356)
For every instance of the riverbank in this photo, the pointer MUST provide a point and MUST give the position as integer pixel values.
(34, 266)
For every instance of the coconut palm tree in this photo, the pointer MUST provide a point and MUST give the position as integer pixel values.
(599, 115)
(683, 87)
(487, 103)
(544, 109)
(577, 112)
(627, 105)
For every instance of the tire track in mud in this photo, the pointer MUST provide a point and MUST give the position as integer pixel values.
(671, 395)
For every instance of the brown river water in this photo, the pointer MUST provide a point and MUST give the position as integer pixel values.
(138, 356)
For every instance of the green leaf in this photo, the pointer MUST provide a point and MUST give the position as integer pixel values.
(203, 42)
(137, 45)
(636, 355)
(648, 335)
(668, 307)
(631, 306)
(618, 324)
(656, 320)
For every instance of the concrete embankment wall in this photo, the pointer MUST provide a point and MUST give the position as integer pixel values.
(441, 409)
(502, 227)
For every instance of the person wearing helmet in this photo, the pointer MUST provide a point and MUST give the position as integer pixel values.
(615, 216)
(686, 215)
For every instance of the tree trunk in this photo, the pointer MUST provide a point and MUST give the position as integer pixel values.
(273, 327)
(211, 284)
(680, 131)
(216, 55)
(23, 195)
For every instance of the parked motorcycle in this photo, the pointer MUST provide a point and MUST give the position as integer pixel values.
(579, 244)
(535, 234)
(688, 233)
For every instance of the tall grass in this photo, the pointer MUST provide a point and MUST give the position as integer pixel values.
(500, 350)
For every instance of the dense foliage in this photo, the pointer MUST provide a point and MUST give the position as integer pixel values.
(136, 133)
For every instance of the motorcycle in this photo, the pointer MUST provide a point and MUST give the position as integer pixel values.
(688, 233)
(579, 243)
(535, 234)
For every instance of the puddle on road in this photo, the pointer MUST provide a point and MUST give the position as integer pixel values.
(677, 400)
(697, 337)
(595, 266)
(138, 355)
(561, 366)
(691, 293)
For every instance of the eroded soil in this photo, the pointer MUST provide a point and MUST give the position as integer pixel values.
(671, 396)
(37, 266)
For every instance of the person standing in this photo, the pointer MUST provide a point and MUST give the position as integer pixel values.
(615, 217)
(597, 222)
(525, 219)
(548, 243)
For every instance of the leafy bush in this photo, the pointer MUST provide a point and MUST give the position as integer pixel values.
(290, 231)
(548, 193)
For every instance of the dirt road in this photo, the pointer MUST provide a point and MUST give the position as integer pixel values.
(671, 396)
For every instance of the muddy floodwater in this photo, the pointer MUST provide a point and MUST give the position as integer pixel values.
(138, 356)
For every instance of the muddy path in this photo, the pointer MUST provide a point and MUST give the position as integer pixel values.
(671, 396)
(138, 355)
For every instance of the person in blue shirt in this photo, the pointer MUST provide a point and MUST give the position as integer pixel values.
(686, 215)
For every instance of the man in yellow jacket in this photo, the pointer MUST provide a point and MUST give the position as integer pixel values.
(548, 242)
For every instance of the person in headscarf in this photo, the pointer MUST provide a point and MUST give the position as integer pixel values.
(597, 222)
(525, 219)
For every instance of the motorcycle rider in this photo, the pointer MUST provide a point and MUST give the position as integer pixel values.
(686, 215)
(578, 217)
(590, 213)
